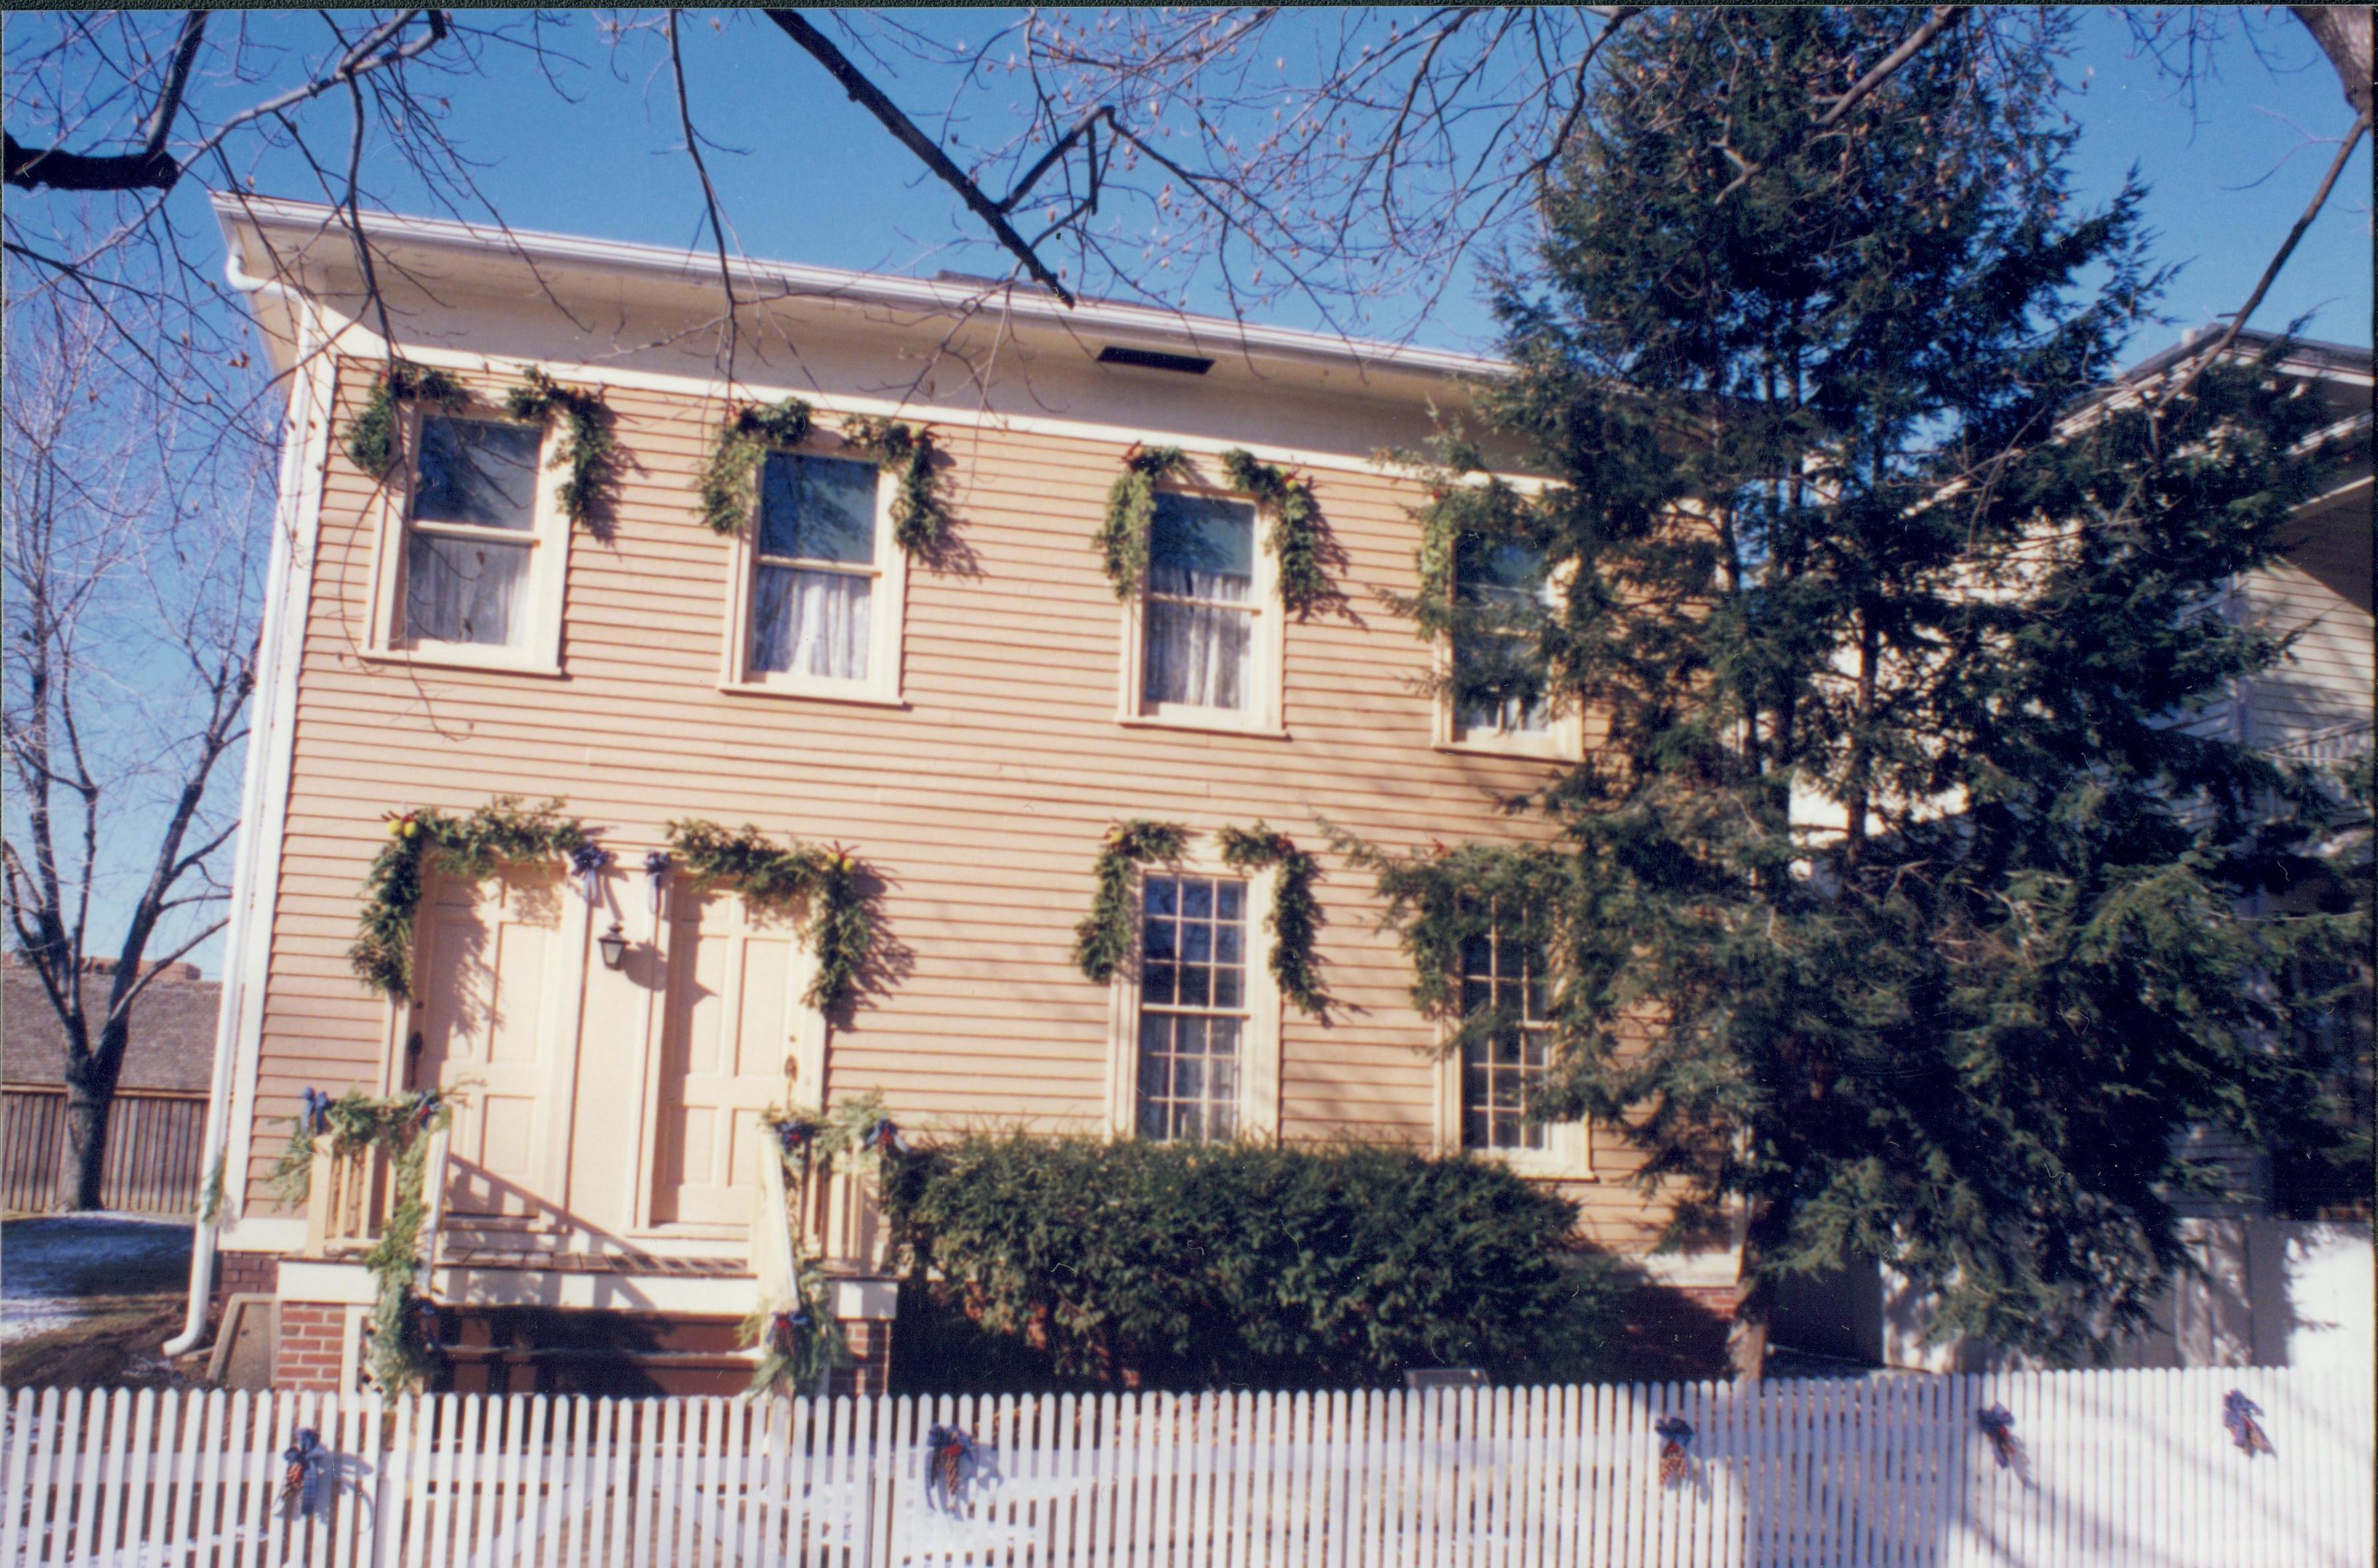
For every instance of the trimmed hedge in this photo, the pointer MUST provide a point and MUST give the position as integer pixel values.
(1184, 1266)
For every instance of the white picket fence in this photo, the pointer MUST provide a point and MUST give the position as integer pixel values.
(2117, 1467)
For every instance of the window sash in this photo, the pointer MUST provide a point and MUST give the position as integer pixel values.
(1168, 950)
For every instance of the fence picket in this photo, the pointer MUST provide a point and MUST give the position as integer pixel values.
(2130, 1466)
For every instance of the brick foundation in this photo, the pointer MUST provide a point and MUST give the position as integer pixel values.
(870, 1350)
(241, 1273)
(308, 1355)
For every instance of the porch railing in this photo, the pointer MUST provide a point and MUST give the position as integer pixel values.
(350, 1194)
(837, 1216)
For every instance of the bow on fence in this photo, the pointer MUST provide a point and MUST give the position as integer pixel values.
(1998, 1425)
(1676, 1437)
(2238, 1414)
(949, 1465)
(310, 1465)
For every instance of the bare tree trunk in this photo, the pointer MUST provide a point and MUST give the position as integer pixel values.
(2343, 33)
(1754, 1298)
(91, 1094)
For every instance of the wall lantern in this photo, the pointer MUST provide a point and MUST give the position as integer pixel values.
(614, 944)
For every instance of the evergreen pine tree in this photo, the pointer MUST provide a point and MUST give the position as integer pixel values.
(1898, 900)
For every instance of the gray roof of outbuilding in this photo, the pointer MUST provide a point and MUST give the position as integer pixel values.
(173, 1042)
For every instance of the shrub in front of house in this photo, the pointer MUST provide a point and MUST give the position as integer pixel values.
(1137, 1265)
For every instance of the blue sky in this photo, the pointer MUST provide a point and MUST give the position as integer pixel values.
(815, 179)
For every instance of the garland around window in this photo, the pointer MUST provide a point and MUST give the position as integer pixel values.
(1298, 539)
(1295, 913)
(920, 524)
(1131, 509)
(730, 480)
(372, 435)
(399, 1355)
(839, 930)
(497, 834)
(1104, 941)
(592, 457)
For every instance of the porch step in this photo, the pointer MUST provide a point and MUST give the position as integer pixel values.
(548, 1350)
(483, 1255)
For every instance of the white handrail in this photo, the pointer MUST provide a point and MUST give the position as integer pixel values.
(433, 1194)
(773, 1261)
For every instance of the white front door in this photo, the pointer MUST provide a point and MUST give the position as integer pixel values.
(736, 1038)
(499, 982)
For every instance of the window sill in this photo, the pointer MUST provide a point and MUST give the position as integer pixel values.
(448, 658)
(810, 694)
(1515, 750)
(1534, 1166)
(1200, 726)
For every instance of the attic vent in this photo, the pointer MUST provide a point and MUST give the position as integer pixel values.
(1149, 359)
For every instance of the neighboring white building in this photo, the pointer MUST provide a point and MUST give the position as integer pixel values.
(2276, 1291)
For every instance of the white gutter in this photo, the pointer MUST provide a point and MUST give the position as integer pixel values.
(264, 721)
(765, 279)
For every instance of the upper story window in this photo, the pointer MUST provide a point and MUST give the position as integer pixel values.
(1207, 626)
(1497, 698)
(477, 544)
(474, 532)
(819, 584)
(1194, 1006)
(1503, 974)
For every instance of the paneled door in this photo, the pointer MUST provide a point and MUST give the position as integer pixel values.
(499, 984)
(734, 1030)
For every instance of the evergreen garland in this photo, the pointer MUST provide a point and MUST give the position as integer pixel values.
(1298, 537)
(371, 437)
(1131, 509)
(593, 455)
(1104, 941)
(839, 930)
(1440, 899)
(920, 523)
(1295, 913)
(497, 834)
(400, 1354)
(800, 1341)
(730, 479)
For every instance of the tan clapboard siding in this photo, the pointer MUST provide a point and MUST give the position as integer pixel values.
(2325, 677)
(981, 802)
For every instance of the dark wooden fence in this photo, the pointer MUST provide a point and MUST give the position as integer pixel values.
(154, 1158)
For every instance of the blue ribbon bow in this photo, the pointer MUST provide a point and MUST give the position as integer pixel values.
(949, 1465)
(309, 1465)
(316, 1117)
(657, 870)
(884, 1134)
(2238, 1414)
(586, 862)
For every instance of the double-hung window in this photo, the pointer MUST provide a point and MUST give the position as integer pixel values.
(819, 584)
(1502, 1066)
(1207, 630)
(1194, 1006)
(1497, 694)
(482, 545)
(1505, 1061)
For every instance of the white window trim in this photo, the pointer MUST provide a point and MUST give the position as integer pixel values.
(1567, 1153)
(887, 613)
(1258, 1047)
(538, 652)
(1266, 656)
(1562, 741)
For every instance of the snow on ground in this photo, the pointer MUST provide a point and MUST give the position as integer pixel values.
(54, 1268)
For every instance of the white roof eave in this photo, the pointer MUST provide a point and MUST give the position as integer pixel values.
(1138, 326)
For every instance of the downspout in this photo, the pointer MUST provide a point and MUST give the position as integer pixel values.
(262, 722)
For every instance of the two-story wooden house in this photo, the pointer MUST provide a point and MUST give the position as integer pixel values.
(970, 720)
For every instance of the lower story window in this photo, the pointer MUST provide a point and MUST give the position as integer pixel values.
(1193, 1007)
(1503, 1068)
